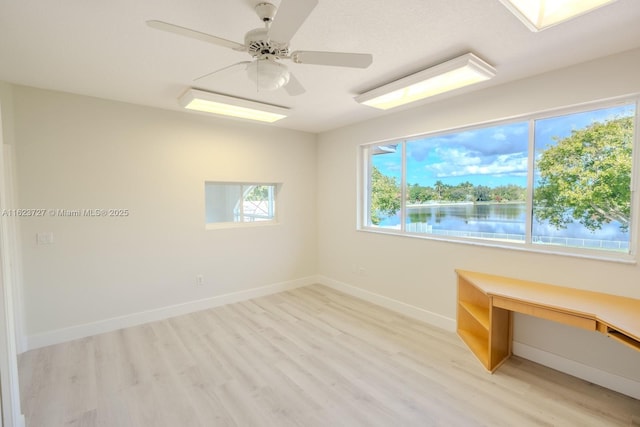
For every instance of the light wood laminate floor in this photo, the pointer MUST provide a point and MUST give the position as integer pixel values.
(307, 357)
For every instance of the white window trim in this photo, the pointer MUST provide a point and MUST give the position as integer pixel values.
(223, 225)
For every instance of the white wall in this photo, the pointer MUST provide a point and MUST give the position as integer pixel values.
(418, 274)
(75, 152)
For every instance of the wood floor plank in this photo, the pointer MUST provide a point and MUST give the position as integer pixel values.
(307, 357)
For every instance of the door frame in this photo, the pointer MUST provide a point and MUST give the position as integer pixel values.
(9, 381)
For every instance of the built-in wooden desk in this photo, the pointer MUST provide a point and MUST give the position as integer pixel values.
(485, 303)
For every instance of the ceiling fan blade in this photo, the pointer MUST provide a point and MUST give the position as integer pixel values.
(290, 16)
(294, 88)
(225, 70)
(339, 59)
(176, 29)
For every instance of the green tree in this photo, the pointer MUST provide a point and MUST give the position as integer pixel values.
(258, 193)
(462, 192)
(509, 192)
(482, 193)
(414, 193)
(439, 189)
(586, 177)
(385, 196)
(418, 194)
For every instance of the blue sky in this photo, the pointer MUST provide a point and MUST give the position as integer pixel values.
(490, 156)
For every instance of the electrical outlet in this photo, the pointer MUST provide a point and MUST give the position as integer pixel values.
(199, 280)
(362, 271)
(44, 238)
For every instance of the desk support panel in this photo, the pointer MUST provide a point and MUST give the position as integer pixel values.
(485, 329)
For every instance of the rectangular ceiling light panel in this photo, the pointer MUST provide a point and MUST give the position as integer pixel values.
(459, 72)
(228, 106)
(541, 14)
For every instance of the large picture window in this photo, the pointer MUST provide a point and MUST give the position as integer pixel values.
(558, 182)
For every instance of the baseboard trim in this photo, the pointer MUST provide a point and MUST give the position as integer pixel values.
(392, 304)
(588, 373)
(611, 381)
(107, 325)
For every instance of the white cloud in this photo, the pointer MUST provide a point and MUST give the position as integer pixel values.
(457, 162)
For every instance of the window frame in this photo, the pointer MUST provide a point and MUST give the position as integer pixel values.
(365, 167)
(273, 205)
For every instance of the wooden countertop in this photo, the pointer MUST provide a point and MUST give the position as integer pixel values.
(620, 313)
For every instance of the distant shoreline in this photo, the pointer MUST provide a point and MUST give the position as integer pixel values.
(437, 204)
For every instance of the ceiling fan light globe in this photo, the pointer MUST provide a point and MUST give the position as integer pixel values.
(267, 74)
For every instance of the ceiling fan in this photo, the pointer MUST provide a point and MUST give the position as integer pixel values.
(270, 44)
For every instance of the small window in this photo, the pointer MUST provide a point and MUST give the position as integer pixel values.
(239, 203)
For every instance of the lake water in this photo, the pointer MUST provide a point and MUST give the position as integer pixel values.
(503, 221)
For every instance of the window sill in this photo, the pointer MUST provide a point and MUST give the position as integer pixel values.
(226, 225)
(593, 255)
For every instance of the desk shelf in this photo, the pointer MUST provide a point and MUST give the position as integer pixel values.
(485, 329)
(477, 344)
(479, 313)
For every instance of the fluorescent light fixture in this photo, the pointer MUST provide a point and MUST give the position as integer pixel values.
(459, 72)
(223, 105)
(541, 14)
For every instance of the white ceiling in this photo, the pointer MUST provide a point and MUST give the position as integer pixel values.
(104, 48)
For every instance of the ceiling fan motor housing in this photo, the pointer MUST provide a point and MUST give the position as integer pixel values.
(259, 45)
